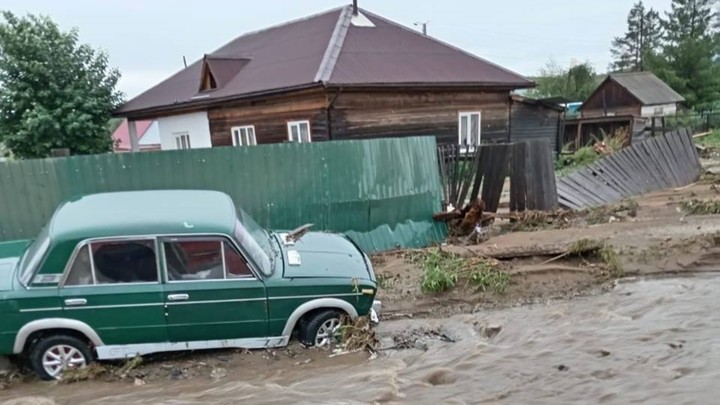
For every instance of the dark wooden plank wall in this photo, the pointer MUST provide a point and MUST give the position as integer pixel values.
(373, 114)
(617, 100)
(270, 118)
(529, 122)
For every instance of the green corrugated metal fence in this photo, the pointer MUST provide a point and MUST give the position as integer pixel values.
(381, 192)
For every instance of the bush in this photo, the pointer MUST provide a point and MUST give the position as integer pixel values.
(436, 279)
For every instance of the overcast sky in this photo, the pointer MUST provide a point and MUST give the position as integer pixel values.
(146, 39)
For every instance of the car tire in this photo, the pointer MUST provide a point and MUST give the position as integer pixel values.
(66, 351)
(319, 329)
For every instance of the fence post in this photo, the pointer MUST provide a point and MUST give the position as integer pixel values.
(707, 122)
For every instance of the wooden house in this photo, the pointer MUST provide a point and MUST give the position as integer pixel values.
(342, 74)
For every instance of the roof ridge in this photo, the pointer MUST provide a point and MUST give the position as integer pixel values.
(335, 45)
(401, 26)
(225, 57)
(643, 72)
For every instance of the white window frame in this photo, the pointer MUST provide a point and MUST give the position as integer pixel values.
(182, 140)
(291, 124)
(468, 115)
(239, 140)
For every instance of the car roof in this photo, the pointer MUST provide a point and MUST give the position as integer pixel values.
(153, 212)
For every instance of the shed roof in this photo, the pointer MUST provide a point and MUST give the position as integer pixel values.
(334, 48)
(154, 212)
(647, 88)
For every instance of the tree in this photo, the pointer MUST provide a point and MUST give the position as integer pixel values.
(689, 58)
(54, 92)
(642, 39)
(575, 83)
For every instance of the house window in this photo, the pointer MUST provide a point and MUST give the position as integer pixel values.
(299, 131)
(658, 111)
(182, 140)
(244, 136)
(469, 129)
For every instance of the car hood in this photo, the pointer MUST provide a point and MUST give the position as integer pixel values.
(7, 269)
(324, 255)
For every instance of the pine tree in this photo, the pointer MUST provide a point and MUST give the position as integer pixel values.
(642, 38)
(689, 60)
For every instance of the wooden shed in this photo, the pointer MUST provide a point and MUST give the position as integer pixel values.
(532, 120)
(639, 94)
(622, 103)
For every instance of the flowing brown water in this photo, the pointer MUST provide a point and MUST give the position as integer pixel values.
(653, 341)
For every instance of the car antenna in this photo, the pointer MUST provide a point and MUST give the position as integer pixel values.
(297, 233)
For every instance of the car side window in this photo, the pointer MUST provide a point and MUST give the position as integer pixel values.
(114, 262)
(193, 259)
(124, 262)
(187, 260)
(81, 269)
(237, 267)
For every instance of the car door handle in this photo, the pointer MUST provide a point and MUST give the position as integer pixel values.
(178, 297)
(75, 302)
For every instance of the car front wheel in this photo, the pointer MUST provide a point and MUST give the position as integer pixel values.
(51, 356)
(322, 329)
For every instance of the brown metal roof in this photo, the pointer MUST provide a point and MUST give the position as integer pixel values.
(389, 53)
(332, 49)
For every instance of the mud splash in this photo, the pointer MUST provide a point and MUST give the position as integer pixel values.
(649, 341)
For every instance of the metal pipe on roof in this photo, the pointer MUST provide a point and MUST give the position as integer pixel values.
(355, 7)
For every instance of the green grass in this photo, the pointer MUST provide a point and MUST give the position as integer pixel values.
(437, 279)
(700, 207)
(710, 141)
(490, 279)
(442, 270)
(584, 156)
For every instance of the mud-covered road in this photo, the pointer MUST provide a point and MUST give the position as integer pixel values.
(652, 341)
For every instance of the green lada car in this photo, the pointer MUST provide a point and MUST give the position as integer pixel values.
(117, 275)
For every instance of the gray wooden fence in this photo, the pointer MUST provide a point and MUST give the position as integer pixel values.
(665, 161)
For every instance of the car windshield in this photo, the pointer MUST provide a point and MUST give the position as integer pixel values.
(256, 241)
(33, 255)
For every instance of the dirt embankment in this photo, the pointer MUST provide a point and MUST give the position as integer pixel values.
(656, 238)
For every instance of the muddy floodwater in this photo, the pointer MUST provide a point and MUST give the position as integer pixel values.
(652, 341)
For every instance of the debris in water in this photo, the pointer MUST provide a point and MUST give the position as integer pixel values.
(678, 345)
(491, 330)
(138, 382)
(563, 367)
(177, 374)
(359, 335)
(604, 353)
(218, 373)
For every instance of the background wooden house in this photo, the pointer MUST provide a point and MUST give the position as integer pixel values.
(623, 103)
(342, 74)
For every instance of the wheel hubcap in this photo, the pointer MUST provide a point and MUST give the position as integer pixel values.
(328, 332)
(59, 358)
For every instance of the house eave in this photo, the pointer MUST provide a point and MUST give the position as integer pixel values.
(204, 104)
